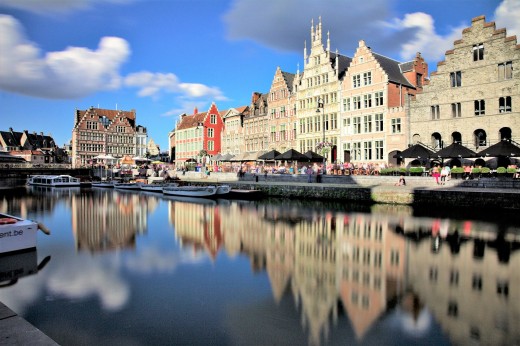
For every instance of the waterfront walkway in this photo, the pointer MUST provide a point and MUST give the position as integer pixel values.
(14, 330)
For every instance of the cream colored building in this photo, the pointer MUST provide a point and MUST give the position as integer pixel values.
(474, 96)
(256, 121)
(319, 82)
(233, 141)
(375, 91)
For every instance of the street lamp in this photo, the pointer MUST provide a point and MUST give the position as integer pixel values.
(201, 125)
(320, 106)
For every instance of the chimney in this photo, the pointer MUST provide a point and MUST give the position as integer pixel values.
(255, 97)
(195, 111)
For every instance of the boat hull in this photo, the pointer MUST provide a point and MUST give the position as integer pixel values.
(16, 234)
(191, 191)
(54, 181)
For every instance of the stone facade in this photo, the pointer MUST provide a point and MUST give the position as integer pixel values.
(233, 141)
(474, 96)
(255, 125)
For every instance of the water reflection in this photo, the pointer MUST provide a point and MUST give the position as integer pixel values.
(348, 274)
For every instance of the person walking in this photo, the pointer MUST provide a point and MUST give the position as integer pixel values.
(309, 174)
(436, 174)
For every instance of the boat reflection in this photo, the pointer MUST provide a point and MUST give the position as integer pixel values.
(16, 265)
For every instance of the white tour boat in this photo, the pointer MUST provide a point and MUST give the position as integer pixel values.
(18, 234)
(190, 191)
(54, 180)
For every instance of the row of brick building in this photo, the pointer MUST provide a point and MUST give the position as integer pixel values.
(369, 107)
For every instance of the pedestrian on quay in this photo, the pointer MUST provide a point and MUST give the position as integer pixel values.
(309, 174)
(436, 173)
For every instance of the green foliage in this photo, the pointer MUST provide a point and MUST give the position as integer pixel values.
(416, 169)
(476, 170)
(457, 170)
(485, 170)
(511, 170)
(501, 170)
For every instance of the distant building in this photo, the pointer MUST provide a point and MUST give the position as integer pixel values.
(233, 141)
(103, 132)
(141, 137)
(33, 147)
(198, 134)
(153, 149)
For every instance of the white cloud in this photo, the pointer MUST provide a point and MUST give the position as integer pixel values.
(71, 73)
(424, 38)
(47, 7)
(153, 84)
(507, 16)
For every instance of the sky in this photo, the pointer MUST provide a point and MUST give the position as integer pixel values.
(166, 57)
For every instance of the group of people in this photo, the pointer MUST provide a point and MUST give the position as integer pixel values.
(443, 173)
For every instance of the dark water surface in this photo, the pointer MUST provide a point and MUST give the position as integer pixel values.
(135, 268)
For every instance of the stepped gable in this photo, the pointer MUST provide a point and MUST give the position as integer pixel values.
(394, 69)
(110, 114)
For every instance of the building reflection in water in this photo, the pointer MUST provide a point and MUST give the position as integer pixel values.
(360, 264)
(336, 265)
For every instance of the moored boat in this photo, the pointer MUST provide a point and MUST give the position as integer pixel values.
(54, 180)
(245, 194)
(18, 234)
(106, 183)
(190, 191)
(156, 186)
(127, 186)
(223, 189)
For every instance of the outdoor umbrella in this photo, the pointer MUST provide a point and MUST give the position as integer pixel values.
(226, 157)
(415, 151)
(454, 150)
(217, 157)
(292, 155)
(502, 148)
(127, 160)
(270, 155)
(314, 157)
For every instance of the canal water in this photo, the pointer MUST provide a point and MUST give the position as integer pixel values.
(136, 268)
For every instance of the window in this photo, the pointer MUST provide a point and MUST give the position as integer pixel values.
(211, 145)
(357, 102)
(418, 80)
(379, 122)
(433, 274)
(368, 123)
(367, 78)
(211, 132)
(480, 107)
(394, 258)
(356, 122)
(367, 99)
(453, 309)
(396, 125)
(356, 81)
(379, 98)
(91, 125)
(454, 278)
(478, 52)
(476, 283)
(503, 288)
(346, 104)
(213, 119)
(368, 150)
(379, 150)
(505, 70)
(456, 79)
(504, 104)
(456, 110)
(435, 112)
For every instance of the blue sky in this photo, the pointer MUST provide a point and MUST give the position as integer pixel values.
(165, 57)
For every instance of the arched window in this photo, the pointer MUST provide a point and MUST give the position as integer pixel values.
(456, 137)
(416, 138)
(505, 133)
(436, 141)
(480, 138)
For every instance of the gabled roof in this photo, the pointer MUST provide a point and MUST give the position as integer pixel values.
(289, 79)
(393, 69)
(190, 121)
(344, 63)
